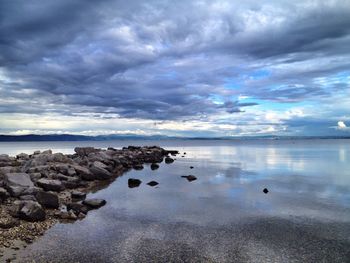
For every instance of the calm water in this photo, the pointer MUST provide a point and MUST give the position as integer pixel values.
(223, 216)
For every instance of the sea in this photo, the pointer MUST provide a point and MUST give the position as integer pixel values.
(223, 216)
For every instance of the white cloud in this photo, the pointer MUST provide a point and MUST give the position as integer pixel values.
(341, 125)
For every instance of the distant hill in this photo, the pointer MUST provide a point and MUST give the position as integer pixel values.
(71, 137)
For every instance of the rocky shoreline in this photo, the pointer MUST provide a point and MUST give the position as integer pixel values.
(40, 189)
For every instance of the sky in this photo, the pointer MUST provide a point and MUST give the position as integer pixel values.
(176, 68)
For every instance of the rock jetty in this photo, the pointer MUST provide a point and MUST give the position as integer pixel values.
(38, 189)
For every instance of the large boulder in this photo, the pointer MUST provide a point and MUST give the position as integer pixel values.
(85, 151)
(83, 172)
(47, 199)
(50, 185)
(16, 183)
(100, 171)
(31, 211)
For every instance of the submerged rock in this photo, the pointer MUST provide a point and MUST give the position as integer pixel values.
(138, 166)
(154, 166)
(190, 178)
(169, 160)
(94, 203)
(134, 183)
(153, 183)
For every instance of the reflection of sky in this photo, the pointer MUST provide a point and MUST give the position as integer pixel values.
(307, 178)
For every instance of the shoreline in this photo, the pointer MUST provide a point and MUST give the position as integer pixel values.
(41, 189)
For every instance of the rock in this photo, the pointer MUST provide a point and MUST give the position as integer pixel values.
(27, 198)
(47, 199)
(169, 160)
(265, 190)
(153, 183)
(8, 222)
(172, 152)
(134, 183)
(78, 195)
(47, 152)
(85, 151)
(77, 208)
(94, 203)
(72, 182)
(190, 178)
(9, 169)
(32, 211)
(3, 194)
(70, 215)
(16, 183)
(18, 179)
(100, 171)
(83, 172)
(50, 185)
(35, 176)
(22, 156)
(154, 166)
(36, 152)
(138, 166)
(4, 158)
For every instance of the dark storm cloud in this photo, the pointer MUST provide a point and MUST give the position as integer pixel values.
(166, 59)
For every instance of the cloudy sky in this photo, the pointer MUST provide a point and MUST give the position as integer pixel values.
(183, 68)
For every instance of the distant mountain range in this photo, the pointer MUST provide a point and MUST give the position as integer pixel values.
(71, 137)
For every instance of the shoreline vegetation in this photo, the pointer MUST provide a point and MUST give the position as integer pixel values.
(42, 188)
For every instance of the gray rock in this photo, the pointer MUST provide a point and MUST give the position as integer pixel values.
(16, 183)
(35, 176)
(31, 211)
(18, 179)
(85, 151)
(94, 203)
(9, 169)
(50, 185)
(78, 195)
(22, 156)
(100, 171)
(47, 152)
(4, 158)
(27, 197)
(47, 199)
(77, 208)
(84, 173)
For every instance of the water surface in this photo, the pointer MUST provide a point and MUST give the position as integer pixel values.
(223, 216)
